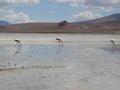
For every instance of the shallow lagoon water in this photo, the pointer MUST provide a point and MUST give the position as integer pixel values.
(33, 54)
(85, 62)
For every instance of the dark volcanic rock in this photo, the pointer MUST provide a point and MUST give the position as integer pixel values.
(63, 23)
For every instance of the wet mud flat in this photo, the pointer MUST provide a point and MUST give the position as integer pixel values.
(88, 64)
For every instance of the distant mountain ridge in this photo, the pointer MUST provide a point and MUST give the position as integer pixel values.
(110, 18)
(3, 23)
(104, 25)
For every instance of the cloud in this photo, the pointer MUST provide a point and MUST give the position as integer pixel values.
(20, 1)
(52, 11)
(103, 3)
(98, 3)
(14, 17)
(82, 16)
(74, 4)
(3, 4)
(68, 1)
(71, 2)
(6, 3)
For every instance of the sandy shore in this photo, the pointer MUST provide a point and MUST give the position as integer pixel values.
(86, 62)
(8, 38)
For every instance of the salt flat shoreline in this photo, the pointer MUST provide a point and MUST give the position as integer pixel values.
(8, 38)
(85, 62)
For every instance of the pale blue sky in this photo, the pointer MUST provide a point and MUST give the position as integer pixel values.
(17, 11)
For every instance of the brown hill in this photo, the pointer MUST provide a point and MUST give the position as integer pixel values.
(4, 29)
(109, 25)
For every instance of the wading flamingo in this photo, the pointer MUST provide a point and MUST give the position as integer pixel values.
(113, 43)
(60, 42)
(18, 44)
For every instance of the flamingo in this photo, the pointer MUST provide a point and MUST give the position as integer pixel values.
(60, 42)
(18, 43)
(113, 43)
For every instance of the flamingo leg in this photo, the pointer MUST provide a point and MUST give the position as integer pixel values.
(18, 48)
